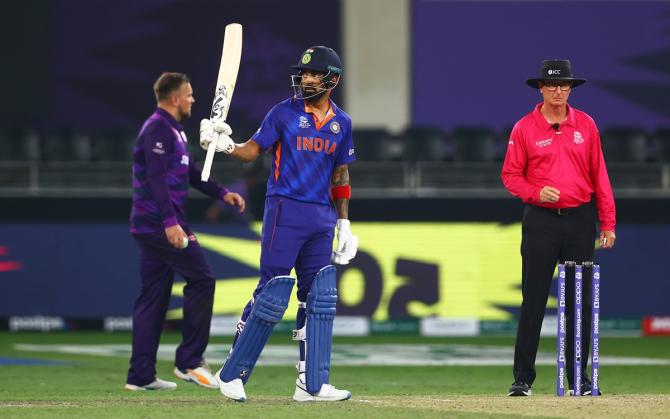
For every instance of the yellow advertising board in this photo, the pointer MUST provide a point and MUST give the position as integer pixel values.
(464, 270)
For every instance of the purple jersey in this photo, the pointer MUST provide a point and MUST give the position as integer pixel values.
(162, 171)
(305, 149)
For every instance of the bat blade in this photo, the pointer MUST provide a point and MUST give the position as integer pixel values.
(225, 84)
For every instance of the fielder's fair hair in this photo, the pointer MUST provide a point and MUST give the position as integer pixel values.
(169, 83)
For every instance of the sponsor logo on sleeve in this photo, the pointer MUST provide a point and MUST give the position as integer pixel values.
(158, 148)
(184, 160)
(351, 151)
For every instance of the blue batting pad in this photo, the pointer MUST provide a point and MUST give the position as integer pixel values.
(268, 309)
(321, 304)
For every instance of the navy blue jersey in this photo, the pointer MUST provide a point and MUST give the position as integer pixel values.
(305, 149)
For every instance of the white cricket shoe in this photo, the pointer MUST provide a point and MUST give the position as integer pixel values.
(233, 390)
(327, 393)
(156, 384)
(201, 375)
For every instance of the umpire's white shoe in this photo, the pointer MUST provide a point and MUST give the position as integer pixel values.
(233, 389)
(327, 393)
(201, 375)
(156, 384)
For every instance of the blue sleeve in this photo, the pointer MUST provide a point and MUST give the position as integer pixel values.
(210, 188)
(269, 131)
(158, 143)
(345, 152)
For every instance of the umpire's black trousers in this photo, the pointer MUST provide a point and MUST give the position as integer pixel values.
(548, 237)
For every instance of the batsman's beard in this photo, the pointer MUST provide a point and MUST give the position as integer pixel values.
(312, 93)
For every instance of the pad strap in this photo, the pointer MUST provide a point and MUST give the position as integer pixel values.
(299, 334)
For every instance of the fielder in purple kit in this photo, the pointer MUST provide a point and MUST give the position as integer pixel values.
(162, 171)
(310, 139)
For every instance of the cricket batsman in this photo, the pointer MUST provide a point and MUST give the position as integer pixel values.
(310, 139)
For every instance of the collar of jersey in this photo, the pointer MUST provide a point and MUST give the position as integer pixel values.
(170, 119)
(539, 118)
(329, 115)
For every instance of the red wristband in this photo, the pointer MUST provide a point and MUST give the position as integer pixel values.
(340, 192)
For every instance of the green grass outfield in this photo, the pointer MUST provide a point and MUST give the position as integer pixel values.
(91, 386)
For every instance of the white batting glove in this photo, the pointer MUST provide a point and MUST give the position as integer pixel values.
(347, 243)
(207, 133)
(224, 143)
(221, 127)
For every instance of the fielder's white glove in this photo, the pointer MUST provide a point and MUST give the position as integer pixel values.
(218, 132)
(347, 243)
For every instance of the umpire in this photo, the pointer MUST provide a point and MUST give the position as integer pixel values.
(555, 165)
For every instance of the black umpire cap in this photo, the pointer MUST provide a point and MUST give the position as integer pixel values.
(555, 71)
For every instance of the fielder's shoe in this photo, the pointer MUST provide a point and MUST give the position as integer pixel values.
(327, 393)
(519, 388)
(201, 375)
(156, 384)
(233, 389)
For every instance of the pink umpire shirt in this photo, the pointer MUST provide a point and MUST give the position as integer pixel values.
(569, 159)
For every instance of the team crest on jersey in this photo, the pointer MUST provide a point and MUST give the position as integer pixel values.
(304, 122)
(578, 139)
(335, 127)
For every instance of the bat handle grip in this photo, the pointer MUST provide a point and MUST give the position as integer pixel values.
(207, 168)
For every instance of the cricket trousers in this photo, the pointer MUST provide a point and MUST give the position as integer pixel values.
(295, 235)
(547, 238)
(159, 261)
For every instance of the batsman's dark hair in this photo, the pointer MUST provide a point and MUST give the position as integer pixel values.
(168, 83)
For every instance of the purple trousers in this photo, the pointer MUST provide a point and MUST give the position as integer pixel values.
(158, 263)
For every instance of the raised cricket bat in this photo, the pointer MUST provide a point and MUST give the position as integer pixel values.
(225, 84)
